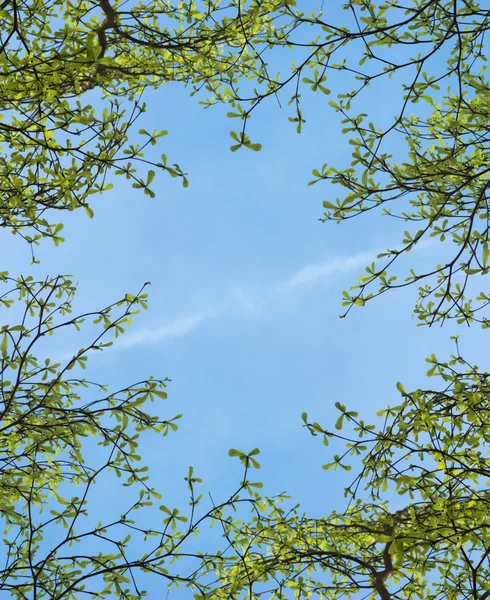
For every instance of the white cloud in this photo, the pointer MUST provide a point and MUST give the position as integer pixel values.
(246, 301)
(176, 328)
(314, 273)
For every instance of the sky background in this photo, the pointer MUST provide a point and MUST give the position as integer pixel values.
(245, 299)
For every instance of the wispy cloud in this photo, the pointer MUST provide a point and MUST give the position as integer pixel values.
(175, 328)
(253, 299)
(314, 273)
(244, 301)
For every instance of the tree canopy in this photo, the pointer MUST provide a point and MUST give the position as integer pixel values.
(73, 81)
(431, 450)
(73, 77)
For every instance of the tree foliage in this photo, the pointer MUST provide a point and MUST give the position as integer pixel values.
(73, 79)
(56, 446)
(73, 75)
(429, 458)
(429, 165)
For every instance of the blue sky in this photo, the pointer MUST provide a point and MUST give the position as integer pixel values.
(245, 297)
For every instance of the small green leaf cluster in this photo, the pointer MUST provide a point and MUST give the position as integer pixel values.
(429, 167)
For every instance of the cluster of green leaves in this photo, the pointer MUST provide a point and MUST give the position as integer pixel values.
(44, 428)
(53, 443)
(429, 167)
(430, 456)
(72, 78)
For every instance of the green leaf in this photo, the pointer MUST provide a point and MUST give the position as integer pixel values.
(150, 177)
(234, 452)
(401, 389)
(89, 211)
(485, 253)
(4, 345)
